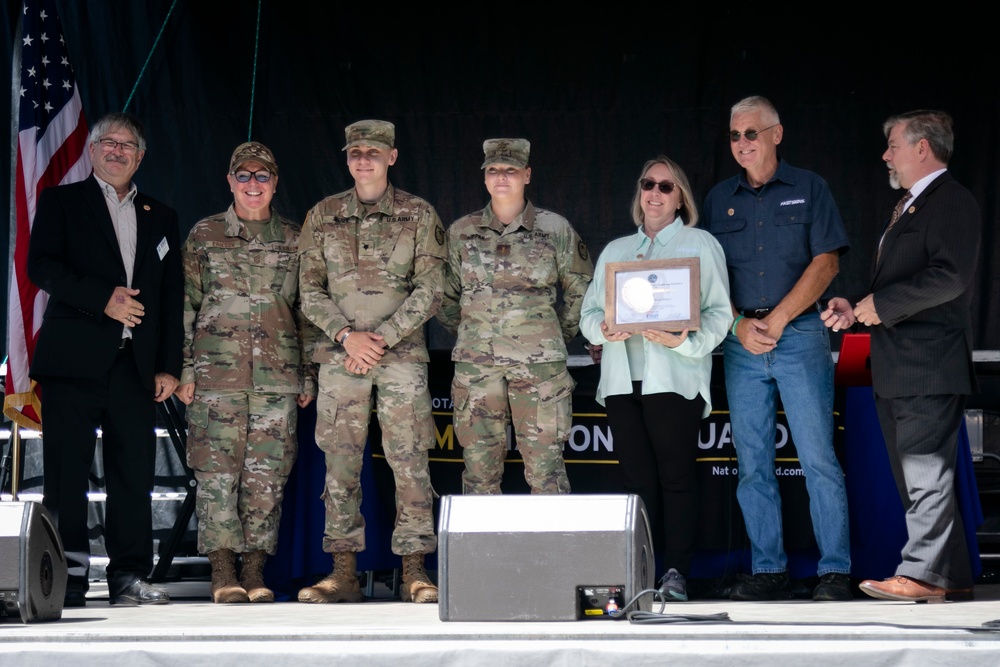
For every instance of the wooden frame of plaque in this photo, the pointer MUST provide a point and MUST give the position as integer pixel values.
(663, 294)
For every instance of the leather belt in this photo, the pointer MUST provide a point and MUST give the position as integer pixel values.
(756, 314)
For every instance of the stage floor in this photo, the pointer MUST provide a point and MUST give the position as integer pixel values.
(193, 632)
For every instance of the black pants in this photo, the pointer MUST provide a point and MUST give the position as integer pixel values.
(72, 410)
(656, 442)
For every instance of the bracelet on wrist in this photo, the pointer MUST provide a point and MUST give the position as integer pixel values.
(735, 322)
(343, 339)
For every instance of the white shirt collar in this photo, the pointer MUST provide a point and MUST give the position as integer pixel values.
(922, 184)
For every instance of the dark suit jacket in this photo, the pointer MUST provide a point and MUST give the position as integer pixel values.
(74, 256)
(923, 290)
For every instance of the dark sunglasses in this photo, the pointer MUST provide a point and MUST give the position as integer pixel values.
(666, 187)
(751, 135)
(243, 176)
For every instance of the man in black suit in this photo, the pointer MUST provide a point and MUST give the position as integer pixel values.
(921, 351)
(109, 346)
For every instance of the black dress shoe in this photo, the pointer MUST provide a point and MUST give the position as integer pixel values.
(75, 599)
(139, 592)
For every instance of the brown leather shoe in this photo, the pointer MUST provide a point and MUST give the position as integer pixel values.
(908, 589)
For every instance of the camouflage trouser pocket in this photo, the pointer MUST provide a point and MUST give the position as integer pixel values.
(459, 398)
(327, 438)
(326, 409)
(423, 414)
(407, 428)
(555, 403)
(198, 448)
(462, 419)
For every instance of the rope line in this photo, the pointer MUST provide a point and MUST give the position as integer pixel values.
(150, 56)
(253, 82)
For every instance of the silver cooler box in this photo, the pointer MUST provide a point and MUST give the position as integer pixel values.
(542, 558)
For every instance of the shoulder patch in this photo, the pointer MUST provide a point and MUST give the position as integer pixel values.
(439, 235)
(581, 249)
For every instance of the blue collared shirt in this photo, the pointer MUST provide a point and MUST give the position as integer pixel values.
(771, 235)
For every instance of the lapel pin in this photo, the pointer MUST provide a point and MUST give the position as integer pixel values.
(912, 210)
(145, 207)
(731, 212)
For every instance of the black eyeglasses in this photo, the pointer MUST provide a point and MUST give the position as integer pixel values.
(751, 135)
(262, 176)
(666, 187)
(126, 146)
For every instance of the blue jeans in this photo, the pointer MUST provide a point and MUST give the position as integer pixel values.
(800, 368)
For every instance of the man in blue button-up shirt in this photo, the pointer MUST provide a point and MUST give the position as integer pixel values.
(783, 238)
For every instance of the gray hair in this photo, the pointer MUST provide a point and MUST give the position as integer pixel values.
(688, 211)
(934, 126)
(118, 121)
(756, 103)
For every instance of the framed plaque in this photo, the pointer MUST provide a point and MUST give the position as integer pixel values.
(659, 294)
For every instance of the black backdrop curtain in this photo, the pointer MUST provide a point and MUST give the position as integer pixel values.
(595, 101)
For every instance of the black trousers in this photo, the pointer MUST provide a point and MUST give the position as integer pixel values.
(656, 442)
(72, 410)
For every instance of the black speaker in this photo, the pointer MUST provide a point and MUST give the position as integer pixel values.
(542, 558)
(32, 563)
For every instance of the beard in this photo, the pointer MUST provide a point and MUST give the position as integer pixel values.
(894, 180)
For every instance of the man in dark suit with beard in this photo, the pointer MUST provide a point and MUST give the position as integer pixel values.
(921, 351)
(109, 346)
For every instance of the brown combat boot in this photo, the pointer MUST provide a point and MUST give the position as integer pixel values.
(417, 585)
(225, 588)
(252, 577)
(342, 584)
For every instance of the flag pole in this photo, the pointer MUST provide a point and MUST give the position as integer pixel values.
(15, 430)
(15, 469)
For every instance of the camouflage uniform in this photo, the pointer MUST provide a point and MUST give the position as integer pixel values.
(244, 352)
(380, 271)
(500, 299)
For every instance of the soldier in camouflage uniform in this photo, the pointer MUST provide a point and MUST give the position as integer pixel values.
(244, 373)
(505, 265)
(371, 272)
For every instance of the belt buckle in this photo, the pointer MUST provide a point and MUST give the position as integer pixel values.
(126, 343)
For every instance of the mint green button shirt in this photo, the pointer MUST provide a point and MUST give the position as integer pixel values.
(686, 369)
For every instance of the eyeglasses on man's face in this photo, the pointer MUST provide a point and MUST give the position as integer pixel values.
(751, 135)
(126, 146)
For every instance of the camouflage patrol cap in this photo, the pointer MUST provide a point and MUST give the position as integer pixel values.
(253, 151)
(506, 151)
(379, 133)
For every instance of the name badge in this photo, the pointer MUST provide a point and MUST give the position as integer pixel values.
(162, 247)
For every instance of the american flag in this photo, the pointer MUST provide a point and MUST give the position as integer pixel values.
(51, 149)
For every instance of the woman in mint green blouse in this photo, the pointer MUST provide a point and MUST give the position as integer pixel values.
(655, 384)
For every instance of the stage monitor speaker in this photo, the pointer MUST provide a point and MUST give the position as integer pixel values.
(542, 558)
(33, 568)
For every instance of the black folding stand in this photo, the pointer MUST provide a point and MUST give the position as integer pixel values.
(178, 436)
